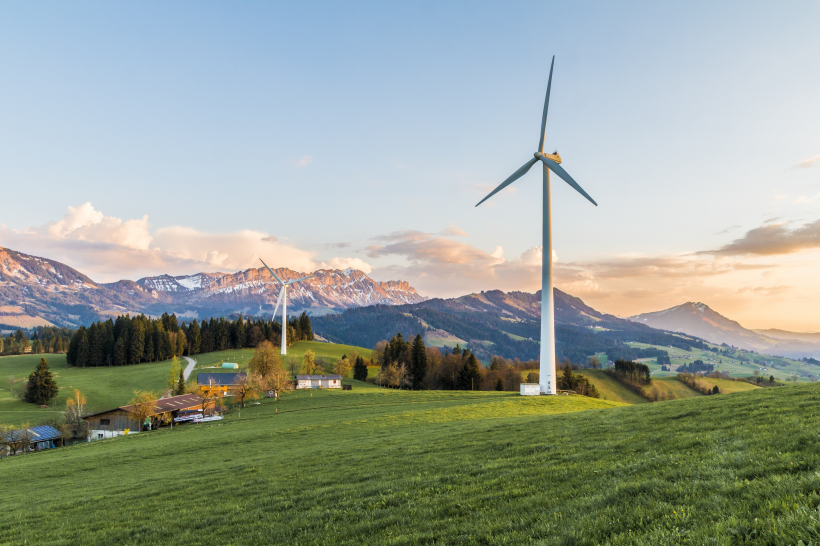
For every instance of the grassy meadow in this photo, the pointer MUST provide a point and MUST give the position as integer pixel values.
(104, 388)
(376, 466)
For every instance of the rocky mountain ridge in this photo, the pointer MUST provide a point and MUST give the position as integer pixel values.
(49, 292)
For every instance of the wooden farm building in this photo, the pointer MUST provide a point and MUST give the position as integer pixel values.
(219, 384)
(30, 439)
(107, 424)
(318, 381)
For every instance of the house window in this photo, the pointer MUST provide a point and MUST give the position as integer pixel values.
(105, 421)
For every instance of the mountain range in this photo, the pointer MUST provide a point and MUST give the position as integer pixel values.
(698, 319)
(348, 306)
(38, 291)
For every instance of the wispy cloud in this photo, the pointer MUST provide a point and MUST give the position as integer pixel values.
(304, 161)
(773, 239)
(808, 163)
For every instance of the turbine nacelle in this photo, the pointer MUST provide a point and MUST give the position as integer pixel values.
(555, 157)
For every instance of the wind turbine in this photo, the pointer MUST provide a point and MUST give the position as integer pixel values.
(551, 162)
(283, 298)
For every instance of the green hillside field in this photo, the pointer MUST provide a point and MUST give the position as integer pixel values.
(110, 387)
(610, 389)
(375, 466)
(104, 388)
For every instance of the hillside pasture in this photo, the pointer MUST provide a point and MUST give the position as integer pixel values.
(611, 389)
(105, 388)
(375, 466)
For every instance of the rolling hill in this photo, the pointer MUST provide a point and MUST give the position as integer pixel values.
(377, 466)
(698, 319)
(497, 323)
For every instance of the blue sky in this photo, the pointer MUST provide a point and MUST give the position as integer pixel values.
(364, 134)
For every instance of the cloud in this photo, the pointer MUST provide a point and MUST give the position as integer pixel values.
(108, 249)
(338, 245)
(304, 161)
(728, 229)
(773, 239)
(763, 290)
(808, 163)
(347, 263)
(444, 267)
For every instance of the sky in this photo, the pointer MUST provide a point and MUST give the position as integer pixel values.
(145, 138)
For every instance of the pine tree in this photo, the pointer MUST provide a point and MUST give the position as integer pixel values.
(499, 385)
(239, 333)
(195, 338)
(41, 385)
(81, 356)
(120, 357)
(137, 343)
(360, 370)
(469, 378)
(418, 361)
(181, 382)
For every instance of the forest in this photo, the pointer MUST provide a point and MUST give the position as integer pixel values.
(43, 339)
(131, 340)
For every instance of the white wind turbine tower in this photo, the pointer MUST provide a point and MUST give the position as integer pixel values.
(551, 162)
(283, 298)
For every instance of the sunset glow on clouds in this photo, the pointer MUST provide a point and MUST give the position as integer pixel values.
(776, 259)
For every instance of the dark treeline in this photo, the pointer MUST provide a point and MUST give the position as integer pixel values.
(633, 353)
(697, 366)
(43, 339)
(409, 364)
(413, 365)
(632, 372)
(131, 340)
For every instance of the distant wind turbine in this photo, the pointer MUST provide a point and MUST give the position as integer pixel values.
(283, 298)
(551, 162)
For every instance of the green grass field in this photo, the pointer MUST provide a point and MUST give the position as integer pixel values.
(104, 388)
(374, 466)
(672, 388)
(610, 389)
(727, 386)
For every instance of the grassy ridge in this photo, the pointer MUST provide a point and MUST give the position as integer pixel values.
(104, 387)
(610, 389)
(372, 466)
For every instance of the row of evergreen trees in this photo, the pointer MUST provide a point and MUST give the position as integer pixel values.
(43, 339)
(131, 340)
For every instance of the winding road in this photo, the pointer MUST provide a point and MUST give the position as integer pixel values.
(189, 368)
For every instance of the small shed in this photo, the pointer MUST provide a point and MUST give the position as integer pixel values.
(530, 389)
(45, 437)
(319, 381)
(230, 365)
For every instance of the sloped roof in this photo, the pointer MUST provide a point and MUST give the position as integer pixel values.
(298, 377)
(45, 432)
(219, 379)
(162, 405)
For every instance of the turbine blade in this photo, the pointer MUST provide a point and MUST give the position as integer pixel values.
(303, 278)
(546, 107)
(557, 169)
(278, 301)
(275, 276)
(515, 176)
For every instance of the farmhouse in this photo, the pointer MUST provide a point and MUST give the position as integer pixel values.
(218, 384)
(110, 423)
(318, 381)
